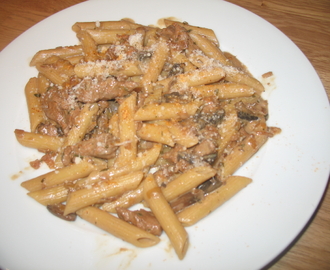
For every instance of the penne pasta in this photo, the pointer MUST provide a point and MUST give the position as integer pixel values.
(180, 134)
(156, 64)
(69, 173)
(143, 160)
(127, 200)
(106, 36)
(165, 111)
(127, 131)
(209, 48)
(38, 141)
(106, 68)
(187, 181)
(236, 76)
(236, 62)
(164, 84)
(156, 133)
(114, 125)
(155, 95)
(118, 227)
(104, 189)
(89, 46)
(57, 177)
(212, 201)
(35, 183)
(176, 233)
(227, 128)
(223, 90)
(50, 196)
(62, 52)
(241, 153)
(32, 95)
(82, 123)
(56, 69)
(122, 24)
(199, 77)
(43, 84)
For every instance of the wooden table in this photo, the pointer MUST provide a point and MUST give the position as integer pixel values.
(306, 22)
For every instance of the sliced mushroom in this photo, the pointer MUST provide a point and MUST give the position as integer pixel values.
(143, 219)
(58, 210)
(210, 185)
(186, 200)
(247, 116)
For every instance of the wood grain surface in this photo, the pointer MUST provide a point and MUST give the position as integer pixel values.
(305, 22)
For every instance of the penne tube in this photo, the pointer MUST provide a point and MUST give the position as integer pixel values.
(127, 131)
(51, 195)
(155, 95)
(56, 69)
(82, 123)
(88, 181)
(164, 84)
(106, 36)
(209, 33)
(198, 77)
(122, 24)
(242, 153)
(118, 227)
(223, 90)
(38, 141)
(200, 60)
(43, 83)
(166, 217)
(156, 64)
(156, 133)
(187, 181)
(143, 160)
(180, 134)
(127, 200)
(36, 183)
(236, 62)
(59, 176)
(101, 190)
(209, 48)
(114, 125)
(32, 95)
(69, 173)
(106, 68)
(89, 46)
(236, 76)
(165, 111)
(227, 128)
(192, 214)
(98, 163)
(74, 60)
(62, 52)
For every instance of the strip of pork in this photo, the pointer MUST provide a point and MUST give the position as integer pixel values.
(58, 106)
(91, 90)
(141, 218)
(102, 145)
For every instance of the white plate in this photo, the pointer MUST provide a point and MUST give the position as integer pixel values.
(290, 173)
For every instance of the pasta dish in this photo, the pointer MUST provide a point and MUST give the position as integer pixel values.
(142, 127)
